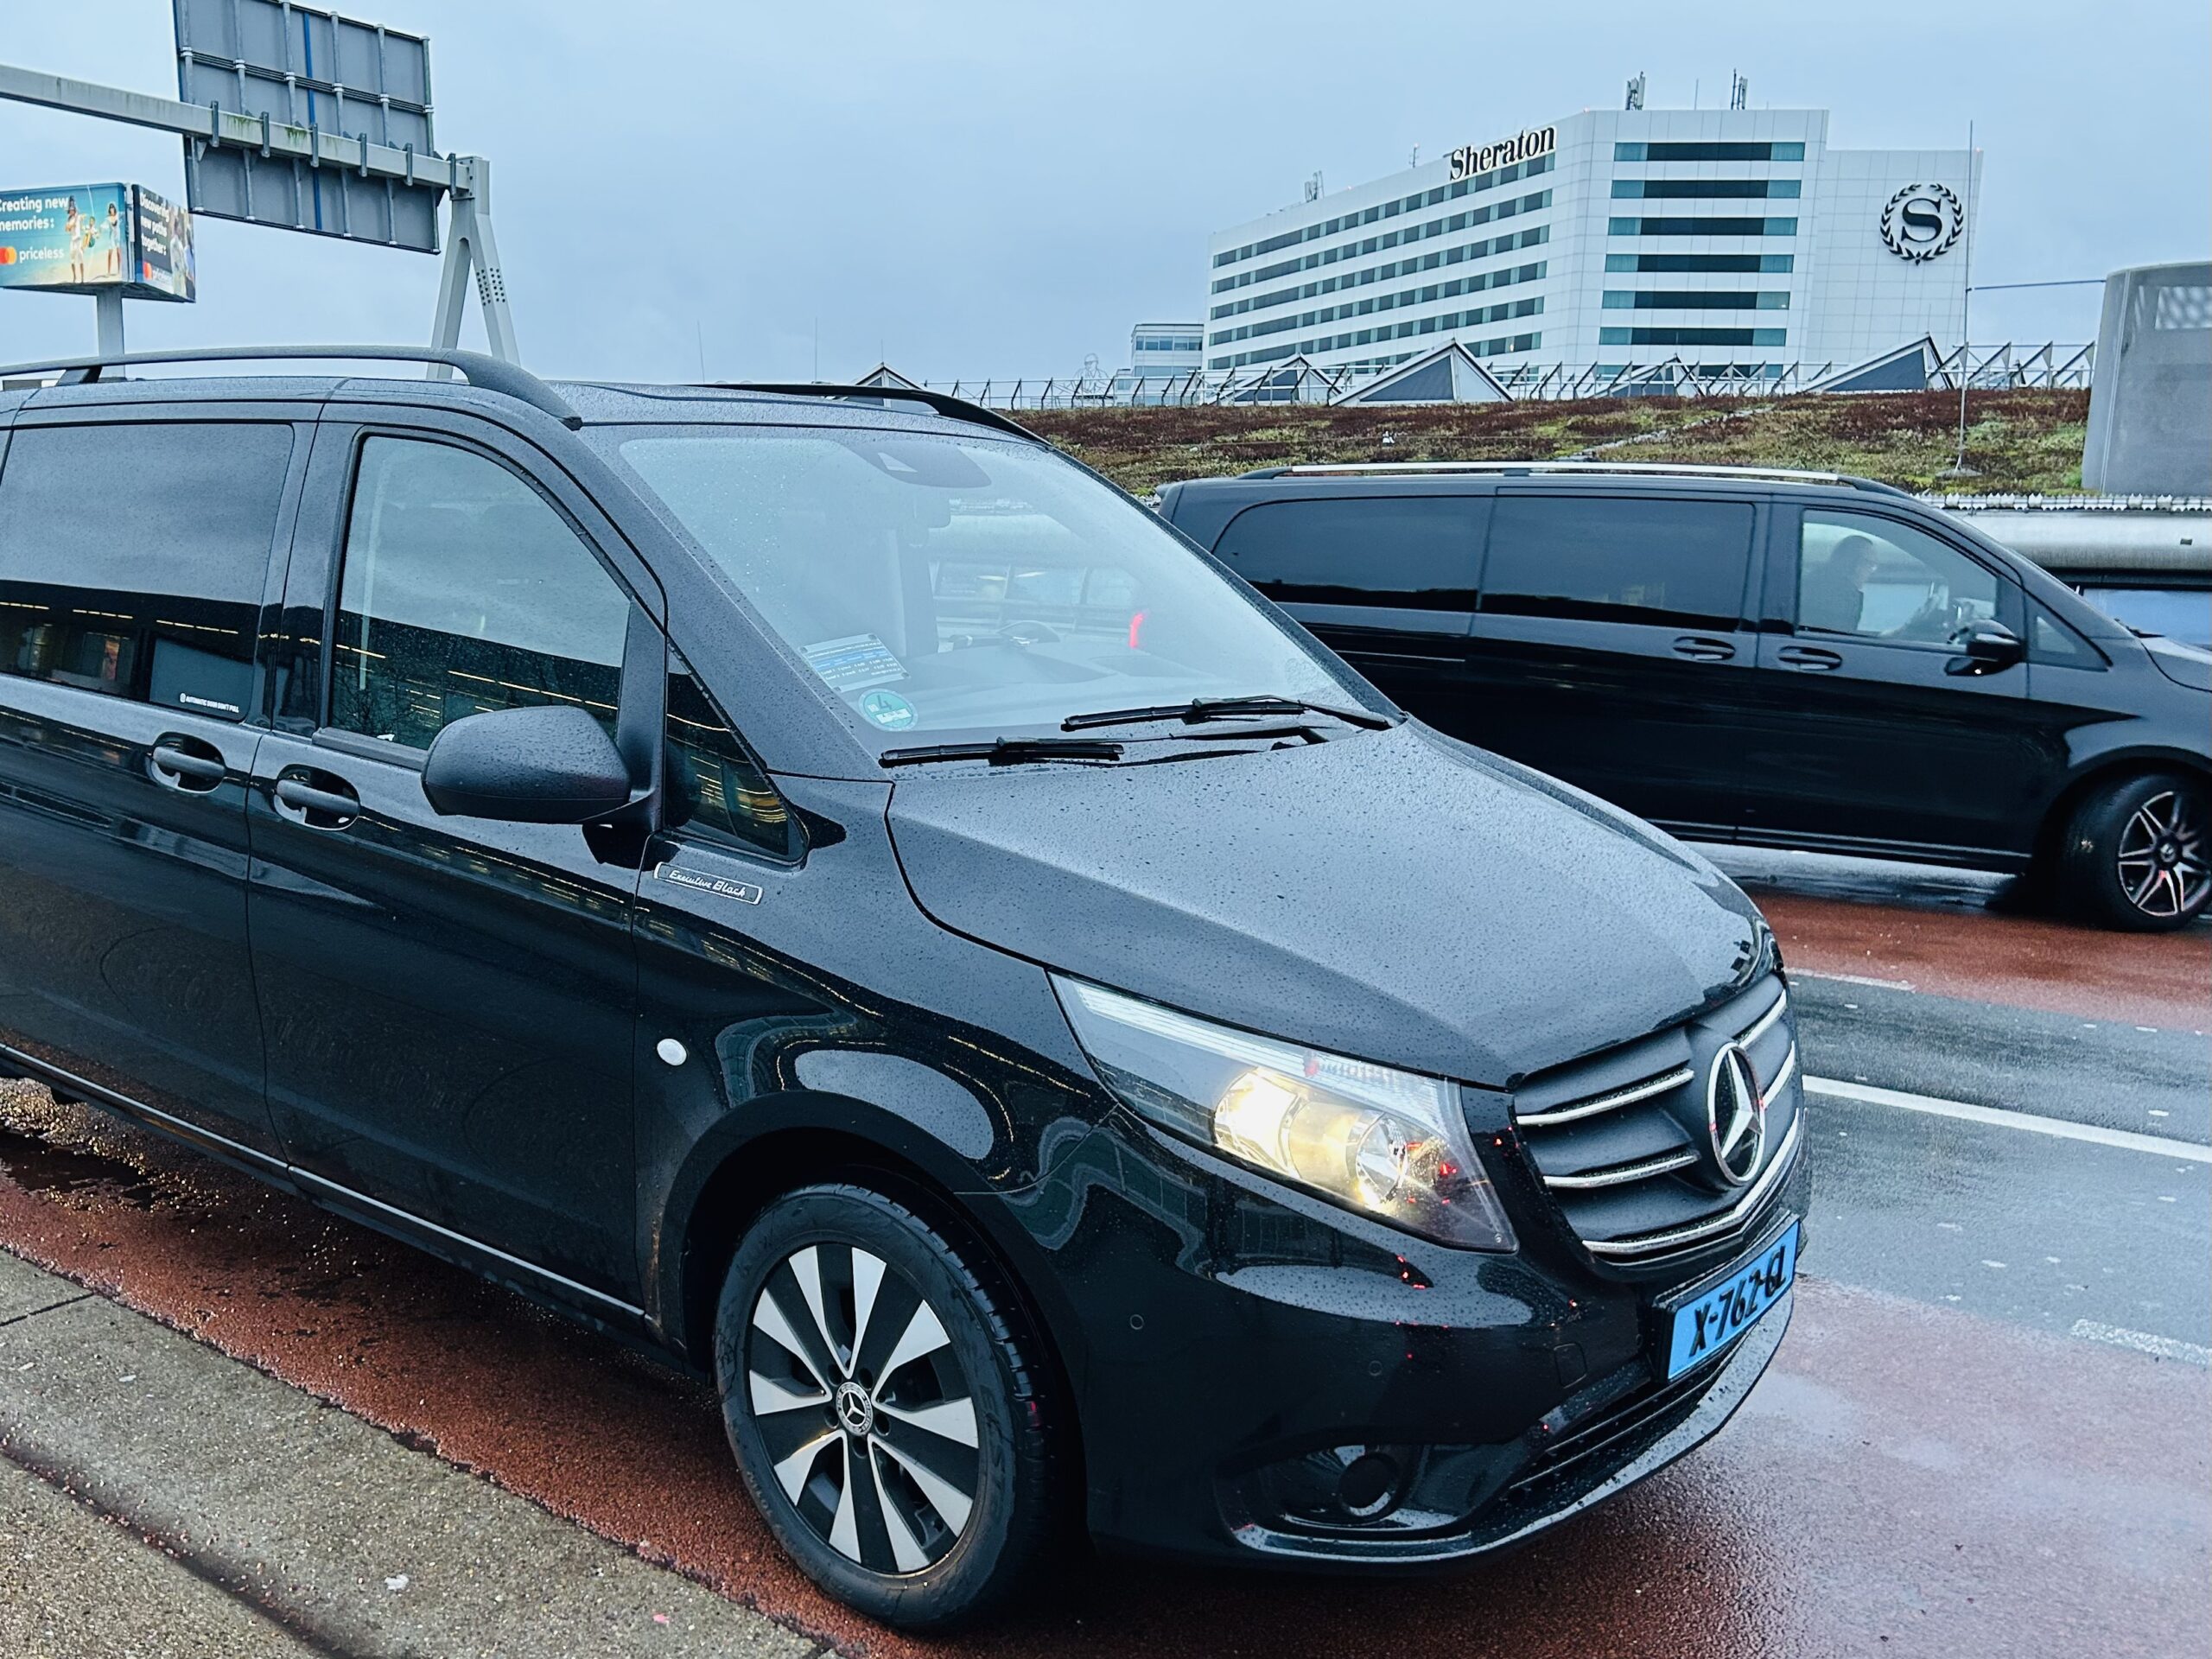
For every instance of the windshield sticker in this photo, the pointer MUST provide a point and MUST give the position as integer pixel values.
(856, 660)
(889, 710)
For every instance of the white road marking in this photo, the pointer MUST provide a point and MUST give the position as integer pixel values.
(2142, 1342)
(1997, 1117)
(1854, 979)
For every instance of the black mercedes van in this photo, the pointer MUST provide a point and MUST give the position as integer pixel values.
(1781, 658)
(819, 884)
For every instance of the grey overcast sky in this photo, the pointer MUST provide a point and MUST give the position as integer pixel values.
(980, 187)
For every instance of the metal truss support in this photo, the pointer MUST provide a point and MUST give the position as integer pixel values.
(472, 249)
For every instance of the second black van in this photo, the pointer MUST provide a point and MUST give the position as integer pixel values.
(1788, 659)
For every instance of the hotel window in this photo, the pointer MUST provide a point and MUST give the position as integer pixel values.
(1780, 264)
(1700, 225)
(1708, 151)
(1661, 299)
(1691, 336)
(1691, 189)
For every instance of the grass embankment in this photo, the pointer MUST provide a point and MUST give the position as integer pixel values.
(2015, 440)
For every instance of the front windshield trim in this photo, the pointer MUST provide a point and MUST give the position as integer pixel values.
(1277, 658)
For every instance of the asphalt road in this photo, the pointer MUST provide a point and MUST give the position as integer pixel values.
(1986, 1433)
(2004, 1220)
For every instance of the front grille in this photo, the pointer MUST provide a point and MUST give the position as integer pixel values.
(1621, 1140)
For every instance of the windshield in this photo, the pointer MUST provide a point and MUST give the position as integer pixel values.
(2180, 613)
(976, 587)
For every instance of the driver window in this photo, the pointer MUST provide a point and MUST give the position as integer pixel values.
(1878, 579)
(465, 592)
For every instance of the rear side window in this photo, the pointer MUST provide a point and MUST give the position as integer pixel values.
(1408, 551)
(1678, 564)
(132, 557)
(464, 592)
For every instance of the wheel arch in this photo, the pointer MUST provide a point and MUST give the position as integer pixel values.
(2102, 773)
(825, 1139)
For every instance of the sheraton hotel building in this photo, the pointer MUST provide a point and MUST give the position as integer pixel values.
(1731, 238)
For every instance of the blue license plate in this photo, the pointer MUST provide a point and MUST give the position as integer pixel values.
(1703, 1328)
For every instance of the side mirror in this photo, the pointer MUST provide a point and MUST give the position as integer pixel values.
(1983, 647)
(555, 764)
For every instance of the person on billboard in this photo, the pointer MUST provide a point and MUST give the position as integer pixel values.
(76, 227)
(114, 241)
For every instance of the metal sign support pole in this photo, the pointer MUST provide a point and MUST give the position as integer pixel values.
(471, 245)
(108, 310)
(466, 179)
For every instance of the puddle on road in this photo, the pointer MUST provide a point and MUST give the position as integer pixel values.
(39, 1166)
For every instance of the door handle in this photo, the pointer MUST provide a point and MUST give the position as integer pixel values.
(1703, 648)
(191, 764)
(305, 801)
(1808, 657)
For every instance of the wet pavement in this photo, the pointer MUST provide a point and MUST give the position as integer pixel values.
(1957, 933)
(1955, 1453)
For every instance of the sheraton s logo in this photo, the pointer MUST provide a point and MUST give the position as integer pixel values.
(1922, 221)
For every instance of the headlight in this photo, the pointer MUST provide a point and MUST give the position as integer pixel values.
(1386, 1143)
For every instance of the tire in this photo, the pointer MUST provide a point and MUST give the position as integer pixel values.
(2138, 854)
(886, 1406)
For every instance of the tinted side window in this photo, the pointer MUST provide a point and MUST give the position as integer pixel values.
(713, 785)
(1411, 551)
(1619, 559)
(1861, 574)
(132, 557)
(464, 591)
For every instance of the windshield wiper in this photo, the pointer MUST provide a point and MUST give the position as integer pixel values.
(1006, 752)
(1201, 710)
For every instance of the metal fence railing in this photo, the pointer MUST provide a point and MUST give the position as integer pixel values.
(1982, 368)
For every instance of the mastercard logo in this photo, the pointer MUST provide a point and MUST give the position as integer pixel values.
(7, 256)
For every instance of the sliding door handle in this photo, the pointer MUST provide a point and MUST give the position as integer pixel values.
(191, 764)
(1814, 658)
(1703, 648)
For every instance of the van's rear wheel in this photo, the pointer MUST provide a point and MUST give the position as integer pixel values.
(885, 1415)
(2138, 855)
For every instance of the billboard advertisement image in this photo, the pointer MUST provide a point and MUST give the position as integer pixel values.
(91, 238)
(164, 248)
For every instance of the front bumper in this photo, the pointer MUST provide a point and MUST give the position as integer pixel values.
(1238, 1348)
(1620, 1445)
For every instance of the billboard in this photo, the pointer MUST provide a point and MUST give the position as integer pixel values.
(96, 239)
(308, 69)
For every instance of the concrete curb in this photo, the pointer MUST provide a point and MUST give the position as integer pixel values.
(322, 1533)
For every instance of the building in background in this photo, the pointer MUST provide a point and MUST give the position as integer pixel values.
(1163, 348)
(1734, 240)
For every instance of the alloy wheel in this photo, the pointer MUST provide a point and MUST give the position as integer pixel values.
(2161, 859)
(865, 1410)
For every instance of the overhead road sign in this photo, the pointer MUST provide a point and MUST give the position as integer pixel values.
(469, 246)
(97, 239)
(292, 65)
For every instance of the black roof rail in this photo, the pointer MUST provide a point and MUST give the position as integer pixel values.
(485, 373)
(1570, 466)
(954, 409)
